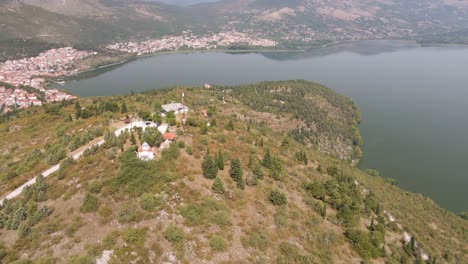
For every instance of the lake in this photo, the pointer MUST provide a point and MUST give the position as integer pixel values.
(414, 100)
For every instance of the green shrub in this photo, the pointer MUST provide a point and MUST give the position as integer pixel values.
(81, 260)
(105, 212)
(189, 150)
(290, 253)
(316, 190)
(149, 202)
(217, 243)
(258, 240)
(221, 218)
(277, 198)
(44, 260)
(181, 144)
(94, 187)
(128, 214)
(137, 177)
(135, 237)
(173, 234)
(192, 214)
(281, 218)
(54, 154)
(90, 203)
(218, 186)
(109, 240)
(213, 204)
(221, 138)
(332, 170)
(367, 245)
(171, 153)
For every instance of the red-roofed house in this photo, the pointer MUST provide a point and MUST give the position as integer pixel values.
(169, 136)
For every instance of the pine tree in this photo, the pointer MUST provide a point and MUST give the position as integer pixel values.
(220, 160)
(241, 184)
(266, 162)
(78, 111)
(207, 167)
(218, 186)
(286, 143)
(323, 211)
(123, 108)
(132, 139)
(236, 170)
(277, 171)
(377, 209)
(214, 168)
(301, 156)
(258, 171)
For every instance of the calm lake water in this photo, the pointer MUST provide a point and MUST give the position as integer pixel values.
(414, 100)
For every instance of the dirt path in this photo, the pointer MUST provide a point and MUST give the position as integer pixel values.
(75, 155)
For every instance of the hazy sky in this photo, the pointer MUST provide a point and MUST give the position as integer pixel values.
(184, 2)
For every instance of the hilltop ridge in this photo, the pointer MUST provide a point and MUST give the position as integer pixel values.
(259, 173)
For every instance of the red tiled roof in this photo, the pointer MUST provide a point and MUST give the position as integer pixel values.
(148, 150)
(169, 136)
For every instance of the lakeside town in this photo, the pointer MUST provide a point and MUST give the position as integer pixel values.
(23, 79)
(190, 41)
(17, 77)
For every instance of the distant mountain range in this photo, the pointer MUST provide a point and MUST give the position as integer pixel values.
(28, 26)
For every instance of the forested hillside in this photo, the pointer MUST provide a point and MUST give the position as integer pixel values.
(236, 185)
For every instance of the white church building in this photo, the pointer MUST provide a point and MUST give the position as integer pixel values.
(145, 152)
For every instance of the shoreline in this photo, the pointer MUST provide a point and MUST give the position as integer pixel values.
(131, 57)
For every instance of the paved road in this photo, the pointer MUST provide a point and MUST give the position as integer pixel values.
(78, 155)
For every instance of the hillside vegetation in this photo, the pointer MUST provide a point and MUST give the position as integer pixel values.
(259, 173)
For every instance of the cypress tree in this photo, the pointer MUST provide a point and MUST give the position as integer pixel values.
(123, 108)
(258, 171)
(214, 168)
(286, 143)
(323, 210)
(208, 166)
(132, 139)
(78, 113)
(276, 167)
(218, 186)
(266, 162)
(236, 170)
(220, 160)
(241, 184)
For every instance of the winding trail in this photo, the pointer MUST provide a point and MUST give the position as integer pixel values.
(55, 168)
